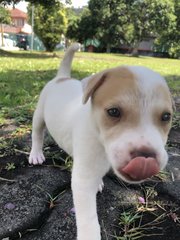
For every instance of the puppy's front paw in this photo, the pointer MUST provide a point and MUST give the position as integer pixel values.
(36, 158)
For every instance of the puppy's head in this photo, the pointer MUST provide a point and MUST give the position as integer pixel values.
(132, 110)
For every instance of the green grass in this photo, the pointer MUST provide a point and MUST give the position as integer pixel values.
(23, 75)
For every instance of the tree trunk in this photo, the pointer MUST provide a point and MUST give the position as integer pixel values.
(135, 52)
(108, 48)
(2, 35)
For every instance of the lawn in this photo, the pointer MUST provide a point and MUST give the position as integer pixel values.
(23, 74)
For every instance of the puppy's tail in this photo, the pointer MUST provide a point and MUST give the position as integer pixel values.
(65, 67)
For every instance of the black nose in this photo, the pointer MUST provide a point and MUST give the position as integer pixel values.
(143, 152)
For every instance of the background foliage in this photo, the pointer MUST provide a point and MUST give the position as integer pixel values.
(49, 23)
(111, 22)
(43, 2)
(4, 16)
(115, 22)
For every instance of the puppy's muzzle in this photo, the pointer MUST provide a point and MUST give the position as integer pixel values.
(143, 165)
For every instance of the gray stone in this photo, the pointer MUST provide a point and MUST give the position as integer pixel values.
(173, 166)
(33, 218)
(24, 203)
(61, 222)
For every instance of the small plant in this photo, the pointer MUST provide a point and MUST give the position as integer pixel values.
(52, 199)
(68, 163)
(131, 222)
(163, 175)
(21, 131)
(2, 121)
(6, 147)
(147, 203)
(133, 229)
(127, 219)
(128, 226)
(173, 215)
(10, 166)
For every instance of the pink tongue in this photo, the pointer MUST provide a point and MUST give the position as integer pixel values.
(141, 168)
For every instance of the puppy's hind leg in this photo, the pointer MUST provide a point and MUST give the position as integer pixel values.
(38, 126)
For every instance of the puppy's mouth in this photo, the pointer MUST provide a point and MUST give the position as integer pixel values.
(139, 169)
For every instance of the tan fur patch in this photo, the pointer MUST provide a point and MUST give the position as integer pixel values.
(162, 104)
(94, 83)
(117, 82)
(119, 89)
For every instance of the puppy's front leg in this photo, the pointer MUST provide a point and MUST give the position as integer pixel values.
(84, 196)
(86, 177)
(36, 154)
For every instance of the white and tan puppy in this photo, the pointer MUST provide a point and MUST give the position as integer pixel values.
(119, 118)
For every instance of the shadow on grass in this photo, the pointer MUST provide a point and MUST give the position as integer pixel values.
(22, 87)
(43, 55)
(28, 54)
(18, 88)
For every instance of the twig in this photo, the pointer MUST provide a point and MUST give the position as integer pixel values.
(20, 151)
(7, 180)
(172, 176)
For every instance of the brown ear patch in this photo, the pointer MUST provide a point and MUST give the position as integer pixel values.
(93, 84)
(120, 83)
(116, 77)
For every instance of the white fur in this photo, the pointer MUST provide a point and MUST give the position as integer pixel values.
(73, 127)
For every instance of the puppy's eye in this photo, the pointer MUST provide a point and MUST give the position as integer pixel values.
(114, 112)
(166, 117)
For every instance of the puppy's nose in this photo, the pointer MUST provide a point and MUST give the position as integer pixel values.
(143, 152)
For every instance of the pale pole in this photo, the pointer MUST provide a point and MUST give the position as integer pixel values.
(2, 35)
(32, 25)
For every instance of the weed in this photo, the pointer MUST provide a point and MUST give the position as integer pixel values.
(59, 155)
(127, 219)
(163, 175)
(52, 199)
(149, 203)
(173, 215)
(131, 221)
(20, 114)
(21, 131)
(10, 166)
(68, 163)
(6, 147)
(2, 120)
(132, 228)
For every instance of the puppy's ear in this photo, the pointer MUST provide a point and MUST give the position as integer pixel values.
(91, 84)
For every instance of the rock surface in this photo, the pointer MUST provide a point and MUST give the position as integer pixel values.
(38, 205)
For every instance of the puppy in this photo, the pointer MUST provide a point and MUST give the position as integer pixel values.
(119, 118)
